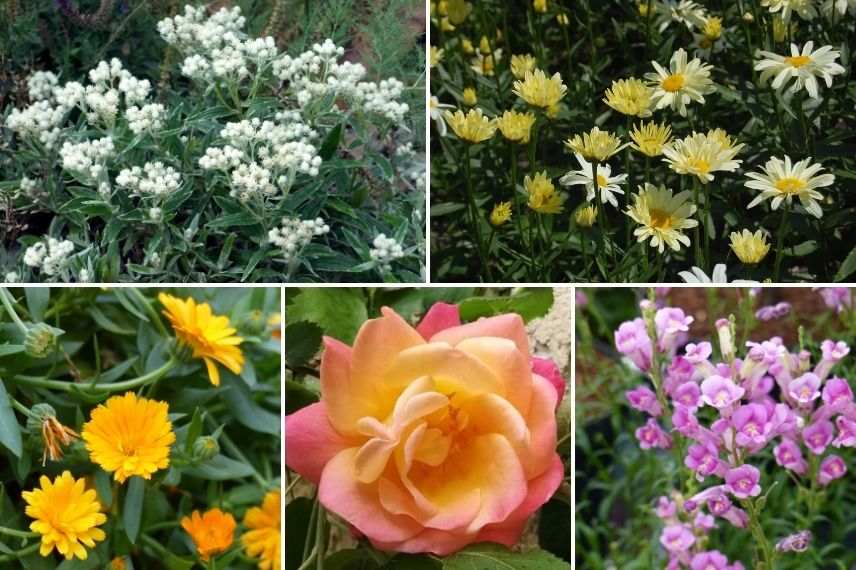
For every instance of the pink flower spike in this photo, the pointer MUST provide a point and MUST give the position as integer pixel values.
(440, 316)
(677, 538)
(846, 432)
(805, 389)
(720, 392)
(651, 435)
(742, 482)
(789, 455)
(711, 560)
(644, 399)
(832, 468)
(818, 436)
(752, 426)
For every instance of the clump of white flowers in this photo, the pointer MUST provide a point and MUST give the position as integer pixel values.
(385, 251)
(295, 234)
(155, 179)
(87, 160)
(49, 255)
(148, 118)
(40, 85)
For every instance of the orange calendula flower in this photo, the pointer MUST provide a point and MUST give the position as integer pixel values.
(129, 436)
(210, 336)
(264, 524)
(212, 532)
(67, 516)
(275, 323)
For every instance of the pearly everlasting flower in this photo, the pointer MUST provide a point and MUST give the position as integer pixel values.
(49, 255)
(804, 67)
(148, 118)
(385, 251)
(296, 234)
(87, 159)
(40, 85)
(154, 179)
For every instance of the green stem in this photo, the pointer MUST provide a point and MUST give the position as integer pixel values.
(518, 211)
(707, 229)
(699, 261)
(780, 249)
(7, 299)
(585, 256)
(474, 219)
(601, 214)
(153, 315)
(320, 537)
(211, 564)
(648, 30)
(17, 533)
(63, 386)
(18, 554)
(22, 408)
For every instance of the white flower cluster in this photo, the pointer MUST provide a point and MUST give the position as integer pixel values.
(109, 82)
(12, 277)
(251, 180)
(154, 179)
(148, 118)
(40, 122)
(40, 85)
(50, 257)
(295, 234)
(216, 46)
(87, 160)
(551, 334)
(221, 158)
(317, 72)
(385, 251)
(32, 189)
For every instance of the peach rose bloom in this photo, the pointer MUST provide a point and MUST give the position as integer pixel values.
(429, 439)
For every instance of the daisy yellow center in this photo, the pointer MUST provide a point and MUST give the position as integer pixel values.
(674, 82)
(601, 181)
(660, 219)
(790, 185)
(798, 60)
(700, 165)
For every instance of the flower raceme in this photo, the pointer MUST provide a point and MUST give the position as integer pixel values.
(429, 439)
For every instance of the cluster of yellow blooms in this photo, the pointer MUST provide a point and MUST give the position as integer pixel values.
(131, 436)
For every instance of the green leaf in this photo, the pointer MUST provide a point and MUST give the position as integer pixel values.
(132, 510)
(37, 301)
(494, 557)
(194, 429)
(302, 342)
(10, 431)
(8, 349)
(221, 468)
(554, 528)
(238, 398)
(339, 312)
(848, 267)
(297, 515)
(331, 143)
(413, 562)
(351, 559)
(298, 396)
(529, 304)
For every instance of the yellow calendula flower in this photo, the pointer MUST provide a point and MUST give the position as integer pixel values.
(539, 90)
(662, 217)
(520, 64)
(543, 197)
(67, 516)
(458, 10)
(212, 532)
(650, 138)
(586, 216)
(436, 56)
(264, 530)
(516, 126)
(629, 97)
(470, 97)
(539, 6)
(473, 127)
(129, 436)
(595, 145)
(118, 563)
(750, 248)
(500, 214)
(210, 336)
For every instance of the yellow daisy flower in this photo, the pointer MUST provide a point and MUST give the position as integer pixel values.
(784, 180)
(702, 154)
(470, 97)
(212, 532)
(129, 436)
(520, 64)
(210, 336)
(500, 214)
(67, 516)
(750, 248)
(436, 56)
(662, 217)
(586, 216)
(473, 127)
(650, 138)
(629, 97)
(516, 126)
(543, 197)
(595, 145)
(539, 90)
(458, 10)
(264, 529)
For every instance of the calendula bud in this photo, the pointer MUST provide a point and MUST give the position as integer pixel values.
(254, 323)
(205, 447)
(40, 340)
(55, 436)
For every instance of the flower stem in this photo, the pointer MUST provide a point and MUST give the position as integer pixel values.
(780, 249)
(17, 533)
(699, 261)
(601, 214)
(65, 386)
(7, 299)
(474, 220)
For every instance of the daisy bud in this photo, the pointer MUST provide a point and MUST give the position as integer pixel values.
(40, 340)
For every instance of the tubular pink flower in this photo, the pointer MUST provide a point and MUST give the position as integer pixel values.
(720, 392)
(846, 432)
(742, 482)
(805, 389)
(651, 435)
(789, 455)
(818, 436)
(644, 399)
(831, 468)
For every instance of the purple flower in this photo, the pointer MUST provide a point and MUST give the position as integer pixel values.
(805, 389)
(742, 482)
(720, 392)
(846, 432)
(818, 436)
(680, 371)
(665, 508)
(710, 560)
(581, 300)
(789, 455)
(631, 340)
(687, 395)
(837, 393)
(784, 421)
(832, 468)
(834, 351)
(698, 353)
(773, 312)
(704, 522)
(837, 298)
(677, 538)
(685, 422)
(672, 326)
(797, 542)
(703, 459)
(752, 426)
(645, 400)
(651, 435)
(767, 352)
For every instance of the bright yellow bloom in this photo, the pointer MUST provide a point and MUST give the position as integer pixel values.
(436, 56)
(212, 532)
(470, 97)
(562, 19)
(586, 216)
(712, 29)
(750, 248)
(210, 336)
(118, 563)
(595, 145)
(539, 6)
(473, 127)
(540, 91)
(129, 436)
(650, 138)
(458, 10)
(500, 214)
(516, 126)
(275, 324)
(262, 539)
(543, 197)
(520, 64)
(66, 515)
(662, 217)
(630, 97)
(485, 64)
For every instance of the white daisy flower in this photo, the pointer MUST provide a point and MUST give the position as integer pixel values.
(802, 66)
(607, 183)
(697, 275)
(662, 217)
(702, 154)
(435, 108)
(805, 8)
(683, 83)
(685, 12)
(784, 180)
